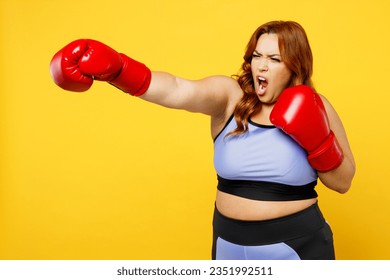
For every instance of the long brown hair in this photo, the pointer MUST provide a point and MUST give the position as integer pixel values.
(295, 52)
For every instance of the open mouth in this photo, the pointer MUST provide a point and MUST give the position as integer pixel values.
(263, 83)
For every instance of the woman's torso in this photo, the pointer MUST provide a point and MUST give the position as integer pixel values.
(237, 160)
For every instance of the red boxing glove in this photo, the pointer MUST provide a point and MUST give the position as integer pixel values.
(75, 67)
(300, 113)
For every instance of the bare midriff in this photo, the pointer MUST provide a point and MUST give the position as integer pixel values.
(257, 210)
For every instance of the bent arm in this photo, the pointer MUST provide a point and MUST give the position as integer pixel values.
(339, 179)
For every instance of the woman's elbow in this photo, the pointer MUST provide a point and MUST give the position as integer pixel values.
(344, 188)
(340, 179)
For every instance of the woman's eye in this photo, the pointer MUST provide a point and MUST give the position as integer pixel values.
(275, 59)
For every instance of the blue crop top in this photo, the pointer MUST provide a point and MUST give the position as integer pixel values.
(263, 164)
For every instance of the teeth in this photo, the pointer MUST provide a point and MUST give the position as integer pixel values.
(263, 81)
(262, 85)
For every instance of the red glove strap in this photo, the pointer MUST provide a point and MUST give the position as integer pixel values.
(134, 77)
(327, 156)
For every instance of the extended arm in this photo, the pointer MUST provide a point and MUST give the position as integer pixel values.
(79, 63)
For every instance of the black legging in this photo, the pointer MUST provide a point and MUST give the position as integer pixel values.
(304, 235)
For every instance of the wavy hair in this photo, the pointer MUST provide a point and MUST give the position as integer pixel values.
(295, 52)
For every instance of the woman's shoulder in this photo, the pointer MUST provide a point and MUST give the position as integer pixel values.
(226, 82)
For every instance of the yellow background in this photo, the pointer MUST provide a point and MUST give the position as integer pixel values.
(102, 175)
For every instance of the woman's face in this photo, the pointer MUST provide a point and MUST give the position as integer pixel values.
(270, 74)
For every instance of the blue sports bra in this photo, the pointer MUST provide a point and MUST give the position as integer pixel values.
(263, 164)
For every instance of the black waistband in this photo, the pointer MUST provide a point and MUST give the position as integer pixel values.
(269, 191)
(276, 230)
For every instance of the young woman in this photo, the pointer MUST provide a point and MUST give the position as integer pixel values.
(274, 136)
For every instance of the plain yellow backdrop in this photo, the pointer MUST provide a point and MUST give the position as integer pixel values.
(103, 175)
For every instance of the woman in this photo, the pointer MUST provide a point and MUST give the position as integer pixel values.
(270, 147)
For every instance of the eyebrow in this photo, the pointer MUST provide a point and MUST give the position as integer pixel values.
(270, 55)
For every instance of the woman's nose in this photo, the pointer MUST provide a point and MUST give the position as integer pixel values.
(263, 65)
